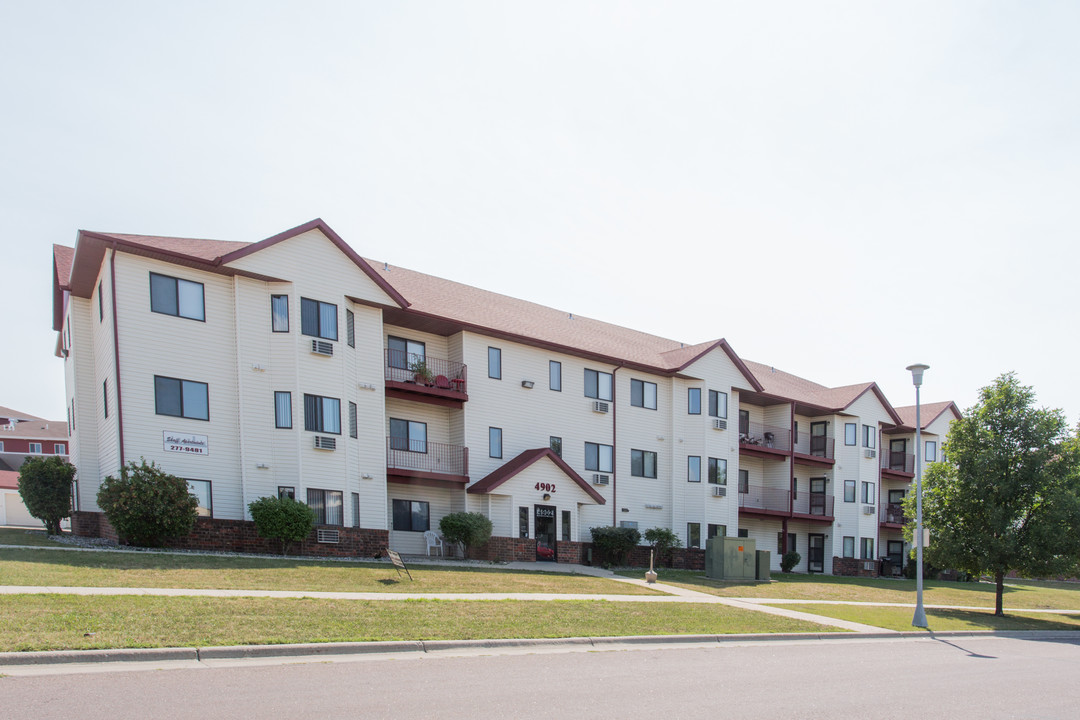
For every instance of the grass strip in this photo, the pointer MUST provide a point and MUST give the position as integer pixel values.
(155, 570)
(1018, 593)
(72, 622)
(893, 618)
(19, 536)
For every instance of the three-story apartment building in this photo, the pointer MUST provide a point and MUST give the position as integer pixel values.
(386, 398)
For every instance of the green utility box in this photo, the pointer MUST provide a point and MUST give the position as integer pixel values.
(764, 557)
(731, 558)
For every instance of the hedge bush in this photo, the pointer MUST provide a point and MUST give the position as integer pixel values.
(789, 560)
(45, 489)
(282, 518)
(468, 528)
(614, 543)
(147, 505)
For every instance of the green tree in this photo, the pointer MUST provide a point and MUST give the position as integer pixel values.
(1006, 496)
(45, 489)
(468, 528)
(147, 505)
(282, 518)
(662, 541)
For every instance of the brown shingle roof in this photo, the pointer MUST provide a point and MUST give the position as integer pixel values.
(930, 412)
(198, 249)
(801, 390)
(36, 430)
(9, 479)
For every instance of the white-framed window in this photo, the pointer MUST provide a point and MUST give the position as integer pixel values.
(58, 448)
(717, 404)
(327, 505)
(350, 328)
(851, 435)
(282, 409)
(105, 397)
(643, 394)
(414, 516)
(693, 535)
(35, 448)
(643, 463)
(868, 494)
(356, 510)
(408, 435)
(718, 471)
(717, 530)
(495, 442)
(286, 491)
(352, 419)
(555, 375)
(322, 414)
(203, 492)
(849, 546)
(849, 491)
(181, 398)
(744, 481)
(279, 313)
(555, 443)
(693, 401)
(599, 458)
(597, 384)
(868, 548)
(693, 468)
(404, 353)
(495, 363)
(318, 319)
(1, 446)
(931, 451)
(869, 436)
(173, 296)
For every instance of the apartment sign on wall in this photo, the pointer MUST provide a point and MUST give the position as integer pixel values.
(184, 443)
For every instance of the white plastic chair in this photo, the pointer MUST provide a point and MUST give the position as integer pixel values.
(433, 541)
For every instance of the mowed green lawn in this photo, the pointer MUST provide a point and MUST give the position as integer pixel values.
(63, 622)
(20, 536)
(157, 570)
(893, 618)
(1018, 593)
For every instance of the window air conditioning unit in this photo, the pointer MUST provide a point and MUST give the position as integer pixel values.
(600, 407)
(321, 347)
(870, 453)
(328, 536)
(325, 443)
(867, 509)
(719, 424)
(598, 479)
(719, 491)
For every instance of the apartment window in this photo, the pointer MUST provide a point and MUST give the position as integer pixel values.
(181, 398)
(868, 548)
(279, 313)
(718, 471)
(718, 404)
(523, 522)
(58, 449)
(405, 353)
(851, 434)
(555, 375)
(495, 363)
(643, 463)
(201, 490)
(868, 493)
(352, 419)
(780, 543)
(693, 469)
(356, 509)
(318, 319)
(282, 409)
(693, 401)
(173, 296)
(849, 546)
(101, 299)
(931, 451)
(869, 436)
(716, 531)
(35, 448)
(105, 396)
(555, 443)
(408, 435)
(744, 481)
(322, 414)
(744, 533)
(494, 442)
(693, 535)
(632, 524)
(412, 515)
(643, 394)
(598, 384)
(327, 505)
(849, 491)
(350, 328)
(1, 446)
(566, 525)
(744, 422)
(599, 458)
(286, 491)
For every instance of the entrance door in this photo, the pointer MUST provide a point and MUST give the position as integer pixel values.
(894, 511)
(544, 525)
(815, 553)
(817, 496)
(896, 555)
(817, 438)
(897, 454)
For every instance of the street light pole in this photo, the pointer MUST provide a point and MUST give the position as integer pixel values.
(919, 620)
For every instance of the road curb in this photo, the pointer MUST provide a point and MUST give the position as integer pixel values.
(232, 652)
(57, 657)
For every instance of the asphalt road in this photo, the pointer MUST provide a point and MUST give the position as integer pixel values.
(927, 678)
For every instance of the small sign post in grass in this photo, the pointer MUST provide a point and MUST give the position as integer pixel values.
(398, 563)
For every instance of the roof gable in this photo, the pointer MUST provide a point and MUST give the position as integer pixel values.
(525, 460)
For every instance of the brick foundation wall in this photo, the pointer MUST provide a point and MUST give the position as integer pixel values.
(680, 558)
(505, 549)
(92, 524)
(852, 567)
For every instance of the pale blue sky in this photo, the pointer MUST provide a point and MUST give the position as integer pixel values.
(839, 189)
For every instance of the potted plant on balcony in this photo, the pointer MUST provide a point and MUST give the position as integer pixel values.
(421, 372)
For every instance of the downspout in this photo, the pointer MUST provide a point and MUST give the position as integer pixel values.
(614, 448)
(116, 357)
(791, 483)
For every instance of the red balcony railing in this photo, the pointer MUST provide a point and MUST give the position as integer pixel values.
(892, 513)
(901, 462)
(425, 371)
(756, 497)
(766, 436)
(807, 503)
(424, 456)
(816, 445)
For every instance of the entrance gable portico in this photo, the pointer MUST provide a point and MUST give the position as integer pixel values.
(541, 467)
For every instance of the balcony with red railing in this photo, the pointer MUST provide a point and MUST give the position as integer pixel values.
(891, 515)
(759, 500)
(421, 462)
(764, 440)
(427, 379)
(812, 506)
(898, 463)
(815, 449)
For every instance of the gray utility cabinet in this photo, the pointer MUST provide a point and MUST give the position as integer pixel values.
(764, 558)
(731, 558)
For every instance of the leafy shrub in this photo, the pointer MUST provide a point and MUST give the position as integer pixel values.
(789, 560)
(929, 572)
(282, 518)
(613, 544)
(662, 541)
(45, 489)
(147, 505)
(468, 528)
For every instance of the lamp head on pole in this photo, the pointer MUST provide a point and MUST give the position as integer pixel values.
(916, 373)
